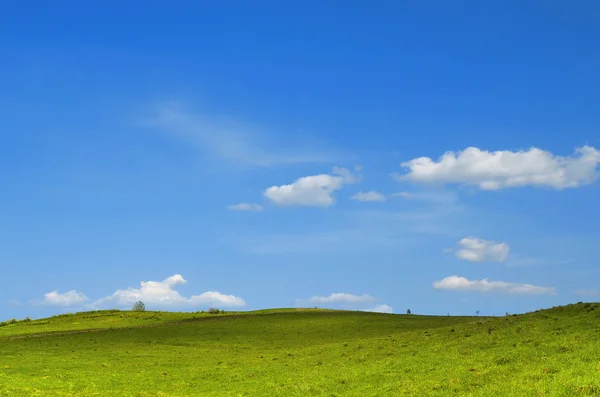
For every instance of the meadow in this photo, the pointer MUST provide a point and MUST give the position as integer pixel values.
(310, 352)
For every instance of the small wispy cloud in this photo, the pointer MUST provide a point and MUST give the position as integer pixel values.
(518, 260)
(383, 308)
(67, 299)
(446, 220)
(371, 195)
(245, 207)
(427, 211)
(15, 303)
(232, 141)
(441, 197)
(347, 301)
(342, 298)
(587, 292)
(457, 283)
(478, 250)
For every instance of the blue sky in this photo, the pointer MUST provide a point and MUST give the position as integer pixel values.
(438, 156)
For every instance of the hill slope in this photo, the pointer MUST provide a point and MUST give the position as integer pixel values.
(303, 353)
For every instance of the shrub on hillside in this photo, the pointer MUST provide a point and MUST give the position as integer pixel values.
(8, 322)
(212, 310)
(139, 307)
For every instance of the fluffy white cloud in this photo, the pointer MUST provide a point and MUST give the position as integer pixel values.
(505, 168)
(68, 299)
(342, 298)
(383, 308)
(164, 294)
(213, 298)
(478, 250)
(245, 207)
(369, 196)
(463, 284)
(315, 190)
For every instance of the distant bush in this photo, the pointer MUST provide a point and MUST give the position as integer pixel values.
(212, 310)
(8, 322)
(139, 307)
(27, 319)
(408, 311)
(63, 315)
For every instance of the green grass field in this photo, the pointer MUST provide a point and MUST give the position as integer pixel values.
(291, 352)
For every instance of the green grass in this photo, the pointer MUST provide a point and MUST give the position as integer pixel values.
(288, 352)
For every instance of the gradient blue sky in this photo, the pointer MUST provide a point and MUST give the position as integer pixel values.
(131, 130)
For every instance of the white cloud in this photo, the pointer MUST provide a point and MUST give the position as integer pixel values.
(478, 250)
(315, 190)
(342, 298)
(231, 141)
(463, 284)
(245, 207)
(68, 299)
(369, 196)
(213, 298)
(163, 294)
(383, 308)
(587, 292)
(347, 301)
(505, 169)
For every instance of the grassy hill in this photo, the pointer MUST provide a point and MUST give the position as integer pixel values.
(291, 352)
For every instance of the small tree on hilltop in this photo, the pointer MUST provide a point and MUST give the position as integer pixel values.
(408, 311)
(139, 307)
